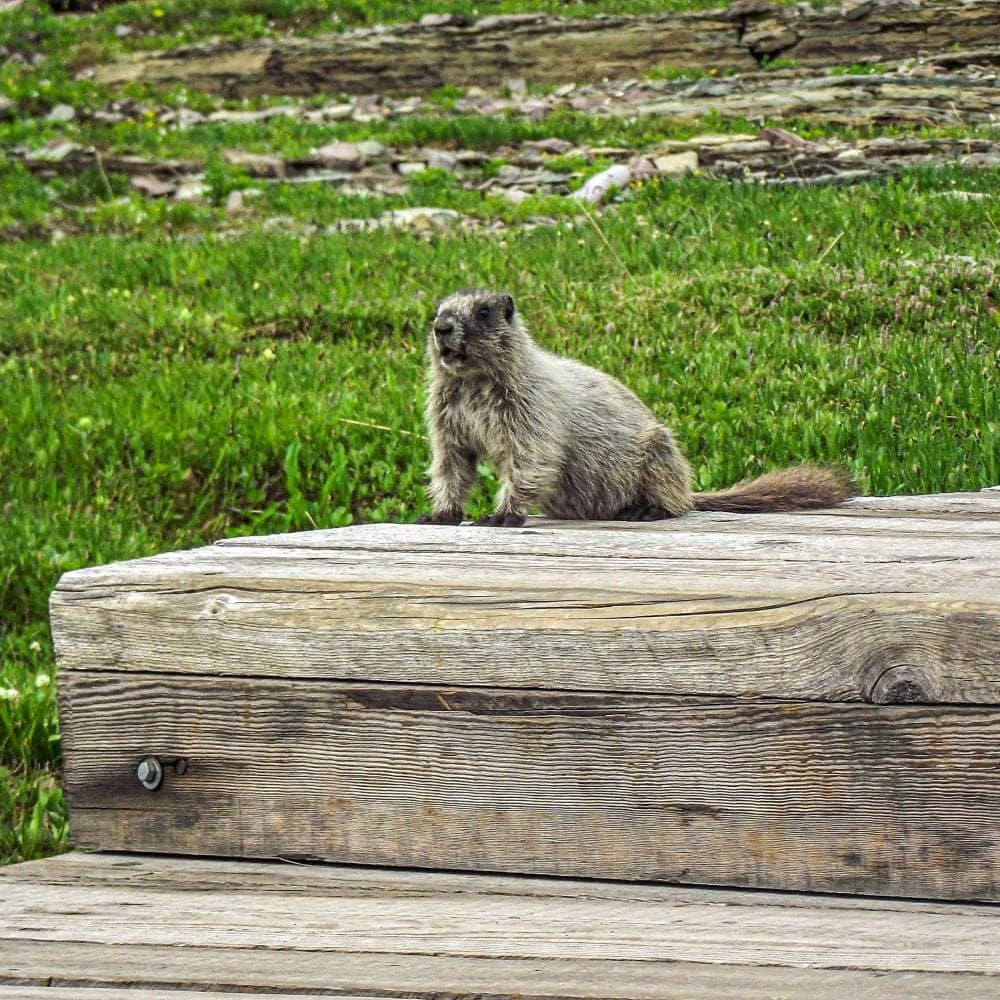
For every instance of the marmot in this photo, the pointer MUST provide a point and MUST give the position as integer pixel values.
(567, 439)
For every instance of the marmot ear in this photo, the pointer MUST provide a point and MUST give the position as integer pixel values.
(508, 307)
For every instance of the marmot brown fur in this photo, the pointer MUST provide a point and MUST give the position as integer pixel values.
(564, 438)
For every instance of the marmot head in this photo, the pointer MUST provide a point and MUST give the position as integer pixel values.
(472, 331)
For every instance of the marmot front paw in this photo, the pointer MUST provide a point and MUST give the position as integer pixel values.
(441, 517)
(501, 519)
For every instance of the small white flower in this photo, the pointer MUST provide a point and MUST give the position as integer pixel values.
(8, 694)
(35, 647)
(42, 680)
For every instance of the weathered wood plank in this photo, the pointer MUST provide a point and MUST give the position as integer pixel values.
(854, 798)
(846, 648)
(794, 539)
(331, 881)
(433, 977)
(117, 993)
(823, 616)
(212, 925)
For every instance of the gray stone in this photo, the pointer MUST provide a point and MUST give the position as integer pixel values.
(442, 20)
(409, 167)
(256, 164)
(334, 112)
(676, 164)
(514, 195)
(61, 113)
(370, 149)
(191, 190)
(850, 156)
(152, 186)
(422, 218)
(599, 187)
(342, 155)
(516, 86)
(54, 152)
(553, 145)
(441, 159)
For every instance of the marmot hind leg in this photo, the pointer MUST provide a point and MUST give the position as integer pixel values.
(666, 482)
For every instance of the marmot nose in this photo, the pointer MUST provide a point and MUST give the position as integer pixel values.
(443, 328)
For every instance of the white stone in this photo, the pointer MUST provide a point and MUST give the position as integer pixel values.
(193, 190)
(344, 155)
(61, 113)
(601, 185)
(675, 164)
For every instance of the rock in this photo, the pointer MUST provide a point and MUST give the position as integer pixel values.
(514, 195)
(186, 117)
(191, 190)
(536, 110)
(599, 187)
(152, 186)
(441, 159)
(565, 90)
(642, 166)
(335, 112)
(442, 20)
(780, 137)
(714, 139)
(340, 155)
(504, 22)
(553, 146)
(711, 88)
(676, 164)
(55, 151)
(109, 117)
(410, 167)
(236, 201)
(422, 218)
(61, 113)
(850, 156)
(256, 164)
(963, 196)
(516, 87)
(853, 10)
(252, 117)
(123, 30)
(371, 150)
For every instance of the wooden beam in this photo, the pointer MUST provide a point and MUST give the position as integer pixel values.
(100, 922)
(898, 800)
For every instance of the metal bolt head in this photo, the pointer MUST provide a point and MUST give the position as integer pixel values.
(150, 773)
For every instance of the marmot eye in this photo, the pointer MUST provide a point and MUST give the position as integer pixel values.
(483, 312)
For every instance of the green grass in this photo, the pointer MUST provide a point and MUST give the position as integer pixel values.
(161, 386)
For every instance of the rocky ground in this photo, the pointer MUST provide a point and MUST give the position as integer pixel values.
(787, 124)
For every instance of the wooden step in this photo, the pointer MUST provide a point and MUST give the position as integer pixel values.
(803, 702)
(97, 922)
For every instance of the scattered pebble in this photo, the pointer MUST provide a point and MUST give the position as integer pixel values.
(61, 113)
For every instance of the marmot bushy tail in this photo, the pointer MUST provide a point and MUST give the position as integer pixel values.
(566, 439)
(802, 487)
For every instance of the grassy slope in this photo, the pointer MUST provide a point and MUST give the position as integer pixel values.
(156, 394)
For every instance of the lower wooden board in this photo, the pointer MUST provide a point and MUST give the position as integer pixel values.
(87, 925)
(895, 800)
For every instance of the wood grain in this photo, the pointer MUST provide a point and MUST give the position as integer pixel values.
(898, 800)
(212, 925)
(760, 611)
